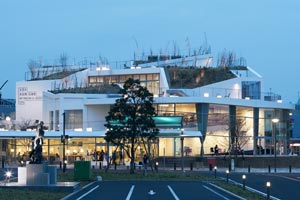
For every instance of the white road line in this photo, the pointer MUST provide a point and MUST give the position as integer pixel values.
(130, 192)
(217, 193)
(87, 193)
(173, 193)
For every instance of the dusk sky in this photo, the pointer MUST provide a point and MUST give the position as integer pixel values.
(265, 32)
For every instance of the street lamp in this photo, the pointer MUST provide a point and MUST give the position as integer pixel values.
(274, 122)
(64, 142)
(182, 153)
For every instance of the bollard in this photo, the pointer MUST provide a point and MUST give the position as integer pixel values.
(269, 169)
(191, 166)
(115, 166)
(229, 167)
(156, 166)
(174, 166)
(248, 168)
(59, 164)
(290, 169)
(268, 185)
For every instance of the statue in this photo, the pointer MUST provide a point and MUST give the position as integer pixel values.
(36, 155)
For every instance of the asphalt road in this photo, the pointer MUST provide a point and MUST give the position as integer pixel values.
(283, 186)
(137, 190)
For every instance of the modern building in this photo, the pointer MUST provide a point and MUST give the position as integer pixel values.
(223, 106)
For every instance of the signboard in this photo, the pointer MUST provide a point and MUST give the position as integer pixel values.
(24, 94)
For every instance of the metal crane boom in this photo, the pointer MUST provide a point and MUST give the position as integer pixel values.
(3, 84)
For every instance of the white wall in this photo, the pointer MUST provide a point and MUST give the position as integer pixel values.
(95, 116)
(29, 99)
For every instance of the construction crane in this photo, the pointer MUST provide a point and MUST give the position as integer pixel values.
(1, 102)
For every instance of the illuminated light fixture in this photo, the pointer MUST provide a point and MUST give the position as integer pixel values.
(81, 151)
(106, 67)
(206, 94)
(78, 129)
(247, 98)
(219, 96)
(279, 101)
(236, 86)
(98, 69)
(89, 129)
(12, 150)
(163, 105)
(290, 114)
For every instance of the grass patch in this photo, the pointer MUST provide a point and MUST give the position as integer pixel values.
(238, 190)
(15, 194)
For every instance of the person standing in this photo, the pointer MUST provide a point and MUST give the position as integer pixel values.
(216, 150)
(145, 164)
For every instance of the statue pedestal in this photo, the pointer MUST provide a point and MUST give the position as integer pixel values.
(37, 174)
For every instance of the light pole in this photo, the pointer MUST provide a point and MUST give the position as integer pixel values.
(182, 152)
(274, 122)
(64, 142)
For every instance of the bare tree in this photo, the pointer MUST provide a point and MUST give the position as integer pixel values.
(33, 65)
(63, 61)
(238, 137)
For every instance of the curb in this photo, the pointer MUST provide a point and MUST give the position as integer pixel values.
(75, 192)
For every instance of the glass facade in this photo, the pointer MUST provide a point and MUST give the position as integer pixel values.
(251, 89)
(151, 80)
(270, 136)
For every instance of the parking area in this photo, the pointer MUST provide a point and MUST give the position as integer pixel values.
(136, 190)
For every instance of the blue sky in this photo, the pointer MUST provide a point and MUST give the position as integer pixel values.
(266, 33)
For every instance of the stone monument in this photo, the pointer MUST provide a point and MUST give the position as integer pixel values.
(37, 172)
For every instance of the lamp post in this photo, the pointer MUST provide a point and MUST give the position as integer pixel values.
(268, 185)
(227, 175)
(215, 168)
(274, 122)
(244, 181)
(182, 152)
(64, 142)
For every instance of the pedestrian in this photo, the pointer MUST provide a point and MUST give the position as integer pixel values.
(101, 155)
(145, 164)
(114, 157)
(121, 157)
(216, 149)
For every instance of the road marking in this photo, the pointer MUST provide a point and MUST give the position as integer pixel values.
(130, 192)
(173, 193)
(91, 190)
(215, 192)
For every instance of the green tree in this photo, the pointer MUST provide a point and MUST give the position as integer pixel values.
(129, 121)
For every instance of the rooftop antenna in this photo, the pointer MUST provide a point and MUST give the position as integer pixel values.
(1, 92)
(136, 55)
